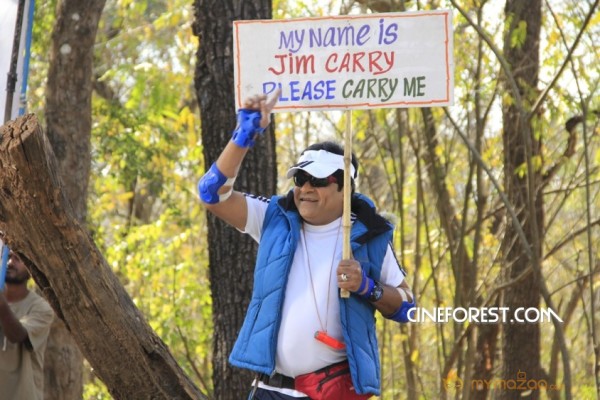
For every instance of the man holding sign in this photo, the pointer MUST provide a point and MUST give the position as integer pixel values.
(25, 320)
(301, 338)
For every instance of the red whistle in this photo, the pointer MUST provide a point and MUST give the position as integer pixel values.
(323, 337)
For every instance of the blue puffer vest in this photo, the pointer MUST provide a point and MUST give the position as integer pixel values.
(257, 342)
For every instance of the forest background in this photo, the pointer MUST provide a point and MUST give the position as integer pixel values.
(446, 176)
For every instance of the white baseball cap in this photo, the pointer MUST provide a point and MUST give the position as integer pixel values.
(320, 164)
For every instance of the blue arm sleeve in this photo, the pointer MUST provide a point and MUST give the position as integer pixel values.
(210, 183)
(402, 314)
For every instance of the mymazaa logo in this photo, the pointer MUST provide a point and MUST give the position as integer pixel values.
(521, 383)
(453, 382)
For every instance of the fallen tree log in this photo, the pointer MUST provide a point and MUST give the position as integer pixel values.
(74, 277)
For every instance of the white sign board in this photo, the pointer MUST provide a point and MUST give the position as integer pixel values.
(347, 62)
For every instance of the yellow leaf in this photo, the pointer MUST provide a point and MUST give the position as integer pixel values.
(414, 356)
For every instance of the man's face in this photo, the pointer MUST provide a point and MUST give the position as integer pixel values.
(319, 205)
(16, 272)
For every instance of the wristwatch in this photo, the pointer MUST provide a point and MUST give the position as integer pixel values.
(377, 293)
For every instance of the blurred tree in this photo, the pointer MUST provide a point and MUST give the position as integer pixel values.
(522, 183)
(69, 123)
(231, 254)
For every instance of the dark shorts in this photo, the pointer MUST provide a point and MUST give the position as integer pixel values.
(262, 394)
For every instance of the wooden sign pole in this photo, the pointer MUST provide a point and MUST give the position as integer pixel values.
(346, 224)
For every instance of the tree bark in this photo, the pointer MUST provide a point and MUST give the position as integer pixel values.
(43, 227)
(69, 96)
(69, 121)
(485, 357)
(231, 254)
(521, 344)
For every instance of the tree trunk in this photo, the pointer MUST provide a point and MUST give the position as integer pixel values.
(74, 277)
(485, 356)
(69, 96)
(521, 344)
(231, 254)
(465, 274)
(68, 117)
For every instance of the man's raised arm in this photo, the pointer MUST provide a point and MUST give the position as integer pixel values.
(216, 186)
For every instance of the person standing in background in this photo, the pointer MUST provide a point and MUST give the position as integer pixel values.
(25, 319)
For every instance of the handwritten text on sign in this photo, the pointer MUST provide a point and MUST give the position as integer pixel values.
(376, 60)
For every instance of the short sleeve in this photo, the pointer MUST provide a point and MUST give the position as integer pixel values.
(392, 273)
(37, 322)
(257, 209)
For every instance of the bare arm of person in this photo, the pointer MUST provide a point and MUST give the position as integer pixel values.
(232, 209)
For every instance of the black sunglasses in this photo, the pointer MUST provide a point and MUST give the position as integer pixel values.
(302, 177)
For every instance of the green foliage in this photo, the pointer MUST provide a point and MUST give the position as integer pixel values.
(143, 208)
(38, 64)
(518, 35)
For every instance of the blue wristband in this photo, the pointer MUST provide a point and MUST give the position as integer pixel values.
(248, 125)
(369, 291)
(363, 284)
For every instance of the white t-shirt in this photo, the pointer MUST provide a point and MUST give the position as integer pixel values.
(21, 368)
(306, 311)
